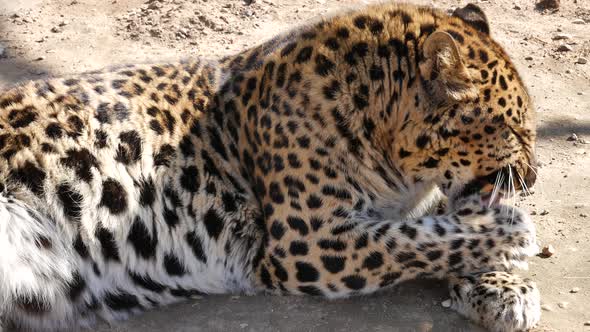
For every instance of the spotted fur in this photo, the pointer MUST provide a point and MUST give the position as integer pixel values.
(305, 165)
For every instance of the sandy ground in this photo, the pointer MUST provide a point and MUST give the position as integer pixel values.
(39, 38)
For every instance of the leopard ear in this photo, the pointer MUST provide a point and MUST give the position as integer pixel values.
(474, 16)
(445, 75)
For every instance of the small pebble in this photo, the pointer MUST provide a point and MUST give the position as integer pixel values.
(37, 71)
(561, 36)
(63, 23)
(55, 30)
(548, 251)
(41, 58)
(572, 138)
(575, 290)
(544, 213)
(528, 58)
(546, 307)
(564, 48)
(243, 325)
(579, 21)
(587, 323)
(548, 4)
(563, 305)
(446, 303)
(582, 61)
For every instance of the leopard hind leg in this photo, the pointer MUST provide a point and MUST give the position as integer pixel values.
(40, 283)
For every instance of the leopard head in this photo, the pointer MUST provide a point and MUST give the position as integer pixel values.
(475, 127)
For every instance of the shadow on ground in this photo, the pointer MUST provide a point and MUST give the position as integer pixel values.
(14, 66)
(13, 72)
(563, 128)
(413, 306)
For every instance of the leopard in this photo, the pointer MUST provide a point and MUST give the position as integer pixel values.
(341, 158)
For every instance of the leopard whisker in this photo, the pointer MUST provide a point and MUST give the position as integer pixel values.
(512, 192)
(505, 188)
(532, 169)
(525, 188)
(496, 189)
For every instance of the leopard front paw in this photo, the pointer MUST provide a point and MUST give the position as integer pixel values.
(499, 238)
(499, 301)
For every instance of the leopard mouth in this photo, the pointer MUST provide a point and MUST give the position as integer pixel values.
(487, 187)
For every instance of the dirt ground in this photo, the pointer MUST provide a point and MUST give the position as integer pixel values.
(39, 38)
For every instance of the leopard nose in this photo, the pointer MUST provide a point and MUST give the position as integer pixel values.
(531, 177)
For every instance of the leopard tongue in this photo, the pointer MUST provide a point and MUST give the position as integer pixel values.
(486, 195)
(486, 189)
(491, 200)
